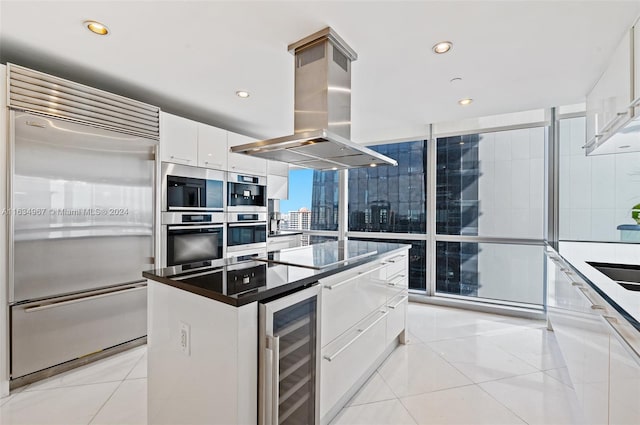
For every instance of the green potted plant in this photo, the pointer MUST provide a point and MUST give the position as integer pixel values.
(635, 213)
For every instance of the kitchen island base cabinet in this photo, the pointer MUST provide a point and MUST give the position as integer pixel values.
(202, 359)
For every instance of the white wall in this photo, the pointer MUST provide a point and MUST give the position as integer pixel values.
(4, 315)
(596, 192)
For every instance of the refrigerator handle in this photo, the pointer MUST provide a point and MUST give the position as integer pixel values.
(275, 379)
(46, 306)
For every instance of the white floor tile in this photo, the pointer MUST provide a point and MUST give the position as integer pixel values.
(463, 405)
(537, 347)
(536, 398)
(375, 389)
(127, 405)
(64, 406)
(416, 369)
(390, 412)
(140, 369)
(431, 323)
(561, 374)
(479, 360)
(111, 369)
(3, 400)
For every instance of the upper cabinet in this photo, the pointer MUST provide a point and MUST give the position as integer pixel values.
(178, 139)
(241, 163)
(613, 124)
(212, 147)
(277, 168)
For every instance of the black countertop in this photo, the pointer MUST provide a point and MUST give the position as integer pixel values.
(242, 282)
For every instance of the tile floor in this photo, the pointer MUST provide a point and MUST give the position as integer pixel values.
(460, 367)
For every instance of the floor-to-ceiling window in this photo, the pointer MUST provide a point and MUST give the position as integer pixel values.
(388, 204)
(490, 202)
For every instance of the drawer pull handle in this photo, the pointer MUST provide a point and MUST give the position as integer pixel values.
(396, 280)
(177, 158)
(594, 306)
(611, 321)
(41, 307)
(396, 259)
(355, 338)
(339, 284)
(394, 306)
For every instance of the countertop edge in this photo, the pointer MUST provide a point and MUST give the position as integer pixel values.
(603, 285)
(275, 292)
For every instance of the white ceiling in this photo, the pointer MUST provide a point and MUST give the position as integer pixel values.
(190, 57)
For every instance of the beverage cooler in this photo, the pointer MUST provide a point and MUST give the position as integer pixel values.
(289, 359)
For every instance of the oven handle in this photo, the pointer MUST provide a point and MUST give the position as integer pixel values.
(196, 227)
(246, 224)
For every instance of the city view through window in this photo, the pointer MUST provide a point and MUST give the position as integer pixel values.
(488, 185)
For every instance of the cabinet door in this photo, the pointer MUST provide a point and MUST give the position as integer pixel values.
(278, 168)
(277, 187)
(212, 147)
(624, 378)
(178, 139)
(241, 163)
(608, 101)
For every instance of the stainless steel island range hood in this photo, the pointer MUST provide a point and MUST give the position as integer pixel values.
(322, 124)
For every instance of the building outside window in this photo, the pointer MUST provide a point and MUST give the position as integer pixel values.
(392, 200)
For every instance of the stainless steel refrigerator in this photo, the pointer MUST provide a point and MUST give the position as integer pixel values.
(81, 232)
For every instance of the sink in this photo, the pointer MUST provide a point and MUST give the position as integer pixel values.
(625, 275)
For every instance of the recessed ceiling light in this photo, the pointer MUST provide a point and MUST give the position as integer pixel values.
(96, 27)
(243, 94)
(373, 165)
(465, 102)
(334, 168)
(624, 147)
(442, 47)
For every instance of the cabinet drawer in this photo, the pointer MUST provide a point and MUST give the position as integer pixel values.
(51, 332)
(396, 320)
(350, 299)
(396, 286)
(345, 360)
(396, 265)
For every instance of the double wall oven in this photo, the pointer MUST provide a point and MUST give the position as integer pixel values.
(195, 227)
(192, 215)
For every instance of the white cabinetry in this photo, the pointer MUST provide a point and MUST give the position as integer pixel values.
(608, 101)
(583, 337)
(624, 394)
(212, 147)
(178, 139)
(363, 314)
(241, 163)
(277, 187)
(277, 180)
(283, 242)
(598, 346)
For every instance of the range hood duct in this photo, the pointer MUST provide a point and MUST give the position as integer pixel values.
(322, 122)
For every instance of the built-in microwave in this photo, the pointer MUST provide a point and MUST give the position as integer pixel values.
(187, 188)
(246, 193)
(192, 238)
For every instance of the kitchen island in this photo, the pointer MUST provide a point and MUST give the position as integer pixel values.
(216, 356)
